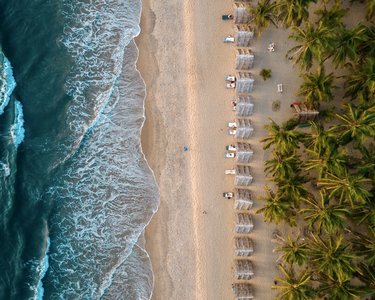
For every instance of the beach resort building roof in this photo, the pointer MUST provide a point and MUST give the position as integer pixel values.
(244, 106)
(244, 129)
(244, 223)
(243, 246)
(241, 13)
(243, 176)
(244, 34)
(243, 269)
(242, 291)
(303, 113)
(244, 59)
(245, 83)
(243, 199)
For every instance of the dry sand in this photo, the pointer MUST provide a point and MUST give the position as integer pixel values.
(183, 61)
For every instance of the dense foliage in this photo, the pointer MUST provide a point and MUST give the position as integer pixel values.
(324, 177)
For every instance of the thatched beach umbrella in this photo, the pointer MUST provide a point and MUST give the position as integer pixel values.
(244, 129)
(244, 223)
(244, 59)
(243, 176)
(244, 83)
(244, 34)
(244, 106)
(243, 199)
(243, 269)
(243, 246)
(241, 13)
(244, 153)
(242, 291)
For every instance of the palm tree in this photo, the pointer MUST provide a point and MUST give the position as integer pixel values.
(314, 42)
(294, 287)
(283, 165)
(367, 47)
(331, 256)
(276, 210)
(333, 160)
(347, 42)
(361, 79)
(293, 12)
(293, 250)
(356, 124)
(335, 290)
(264, 14)
(332, 17)
(366, 273)
(317, 87)
(284, 138)
(366, 163)
(349, 188)
(292, 188)
(364, 245)
(365, 214)
(320, 140)
(323, 215)
(370, 9)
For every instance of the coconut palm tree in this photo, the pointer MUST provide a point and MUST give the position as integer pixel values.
(349, 188)
(276, 210)
(370, 9)
(335, 290)
(366, 163)
(332, 256)
(347, 42)
(293, 12)
(294, 286)
(365, 214)
(317, 87)
(283, 165)
(333, 160)
(364, 245)
(367, 47)
(366, 273)
(284, 138)
(293, 250)
(314, 42)
(356, 125)
(360, 79)
(320, 140)
(292, 188)
(332, 17)
(263, 14)
(321, 215)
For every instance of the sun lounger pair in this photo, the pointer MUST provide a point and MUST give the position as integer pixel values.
(229, 155)
(279, 87)
(271, 47)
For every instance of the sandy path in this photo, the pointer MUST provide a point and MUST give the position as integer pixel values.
(183, 61)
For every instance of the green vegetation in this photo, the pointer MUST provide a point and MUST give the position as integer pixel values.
(323, 178)
(265, 73)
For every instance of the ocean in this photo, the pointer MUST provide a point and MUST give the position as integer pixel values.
(75, 189)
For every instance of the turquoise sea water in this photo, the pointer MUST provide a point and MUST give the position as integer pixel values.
(75, 190)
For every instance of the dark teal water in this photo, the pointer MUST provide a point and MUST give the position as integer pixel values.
(76, 192)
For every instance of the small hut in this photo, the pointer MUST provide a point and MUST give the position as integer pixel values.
(243, 200)
(244, 129)
(242, 291)
(244, 34)
(243, 176)
(244, 153)
(241, 13)
(303, 113)
(244, 223)
(243, 246)
(244, 59)
(244, 106)
(243, 269)
(245, 83)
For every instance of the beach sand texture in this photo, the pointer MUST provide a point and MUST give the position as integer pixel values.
(183, 60)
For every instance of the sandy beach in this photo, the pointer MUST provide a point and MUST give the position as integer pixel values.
(183, 60)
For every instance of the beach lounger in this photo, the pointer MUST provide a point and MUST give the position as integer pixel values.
(230, 78)
(232, 124)
(228, 195)
(229, 155)
(232, 131)
(271, 47)
(230, 85)
(229, 39)
(230, 172)
(230, 148)
(279, 87)
(227, 17)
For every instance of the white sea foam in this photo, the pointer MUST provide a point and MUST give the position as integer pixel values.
(7, 83)
(17, 130)
(106, 193)
(43, 270)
